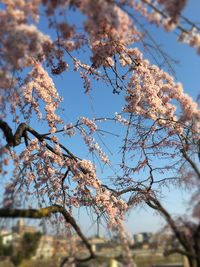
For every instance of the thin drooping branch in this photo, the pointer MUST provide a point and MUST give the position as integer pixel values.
(188, 249)
(46, 212)
(193, 165)
(179, 26)
(123, 191)
(156, 205)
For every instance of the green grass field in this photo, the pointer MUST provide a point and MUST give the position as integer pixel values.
(141, 261)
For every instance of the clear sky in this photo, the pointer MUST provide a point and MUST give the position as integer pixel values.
(102, 103)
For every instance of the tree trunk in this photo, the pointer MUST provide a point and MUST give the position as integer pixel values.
(193, 262)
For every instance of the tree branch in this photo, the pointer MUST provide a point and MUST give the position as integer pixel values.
(155, 204)
(23, 128)
(194, 166)
(15, 140)
(179, 251)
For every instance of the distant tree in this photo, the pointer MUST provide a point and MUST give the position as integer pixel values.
(1, 246)
(5, 250)
(26, 249)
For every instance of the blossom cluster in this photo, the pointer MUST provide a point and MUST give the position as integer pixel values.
(87, 174)
(121, 120)
(47, 178)
(169, 21)
(69, 129)
(151, 93)
(89, 123)
(109, 29)
(114, 207)
(39, 82)
(94, 146)
(21, 43)
(103, 198)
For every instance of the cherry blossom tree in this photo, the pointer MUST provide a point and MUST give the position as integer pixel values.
(161, 121)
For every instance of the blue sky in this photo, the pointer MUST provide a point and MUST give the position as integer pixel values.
(102, 102)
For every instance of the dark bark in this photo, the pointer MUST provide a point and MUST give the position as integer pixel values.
(190, 245)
